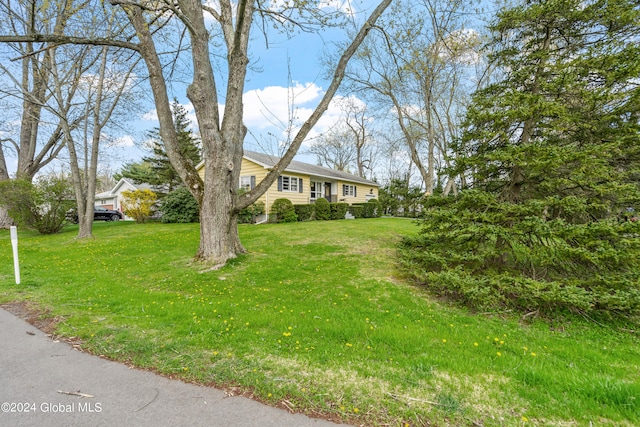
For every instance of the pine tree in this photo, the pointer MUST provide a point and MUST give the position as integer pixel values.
(565, 118)
(139, 172)
(163, 175)
(156, 169)
(552, 152)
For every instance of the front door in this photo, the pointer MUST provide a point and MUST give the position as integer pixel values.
(327, 191)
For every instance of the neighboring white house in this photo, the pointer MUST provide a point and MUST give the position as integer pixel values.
(112, 199)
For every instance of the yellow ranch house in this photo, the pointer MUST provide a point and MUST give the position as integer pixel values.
(303, 183)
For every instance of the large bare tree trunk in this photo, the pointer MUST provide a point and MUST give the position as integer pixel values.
(219, 239)
(4, 172)
(5, 219)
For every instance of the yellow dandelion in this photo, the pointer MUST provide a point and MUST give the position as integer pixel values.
(475, 344)
(499, 354)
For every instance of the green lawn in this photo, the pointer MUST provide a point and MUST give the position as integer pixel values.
(316, 318)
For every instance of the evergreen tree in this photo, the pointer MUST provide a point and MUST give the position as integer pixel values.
(552, 153)
(156, 169)
(565, 118)
(139, 172)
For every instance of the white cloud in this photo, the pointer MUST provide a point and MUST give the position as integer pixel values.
(269, 109)
(122, 141)
(272, 106)
(150, 116)
(462, 46)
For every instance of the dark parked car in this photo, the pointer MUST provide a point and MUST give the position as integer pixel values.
(106, 214)
(99, 213)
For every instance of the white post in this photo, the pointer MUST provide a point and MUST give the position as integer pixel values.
(14, 243)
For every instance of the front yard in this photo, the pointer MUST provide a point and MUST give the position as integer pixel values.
(317, 319)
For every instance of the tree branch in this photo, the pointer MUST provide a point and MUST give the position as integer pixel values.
(58, 40)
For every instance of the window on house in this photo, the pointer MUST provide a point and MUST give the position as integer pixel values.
(289, 183)
(245, 182)
(316, 190)
(349, 190)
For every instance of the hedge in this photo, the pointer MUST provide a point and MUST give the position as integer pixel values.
(357, 211)
(338, 210)
(304, 212)
(370, 209)
(284, 211)
(322, 209)
(179, 206)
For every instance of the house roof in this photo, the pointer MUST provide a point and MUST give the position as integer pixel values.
(114, 190)
(268, 161)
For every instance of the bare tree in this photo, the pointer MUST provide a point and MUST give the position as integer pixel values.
(222, 133)
(415, 70)
(349, 142)
(358, 121)
(27, 83)
(78, 89)
(335, 148)
(30, 83)
(101, 93)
